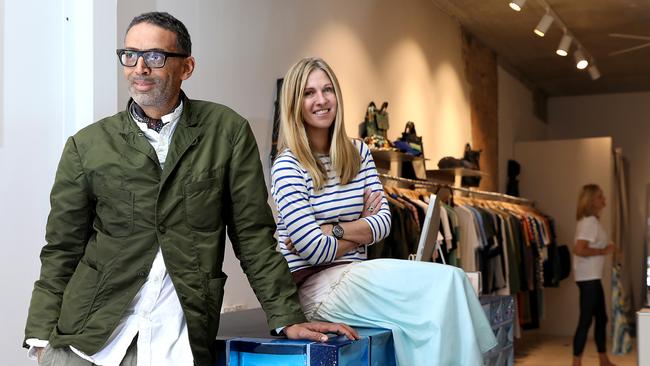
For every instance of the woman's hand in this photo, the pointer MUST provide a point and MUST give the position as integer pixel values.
(327, 229)
(289, 245)
(371, 202)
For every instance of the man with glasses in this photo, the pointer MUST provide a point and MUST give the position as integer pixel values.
(141, 203)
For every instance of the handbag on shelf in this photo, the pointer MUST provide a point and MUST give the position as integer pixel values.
(369, 122)
(410, 142)
(381, 118)
(376, 120)
(471, 160)
(375, 125)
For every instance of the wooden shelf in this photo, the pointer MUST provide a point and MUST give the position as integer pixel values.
(390, 161)
(463, 172)
(454, 175)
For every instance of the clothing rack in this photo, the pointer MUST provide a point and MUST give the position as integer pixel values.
(476, 192)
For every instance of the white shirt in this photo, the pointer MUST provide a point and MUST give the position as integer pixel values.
(591, 267)
(155, 314)
(446, 229)
(469, 241)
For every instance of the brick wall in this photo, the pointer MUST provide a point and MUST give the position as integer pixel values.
(481, 74)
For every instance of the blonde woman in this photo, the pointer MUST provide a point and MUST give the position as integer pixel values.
(591, 248)
(331, 207)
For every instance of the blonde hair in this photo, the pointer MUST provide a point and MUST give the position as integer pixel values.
(345, 157)
(586, 201)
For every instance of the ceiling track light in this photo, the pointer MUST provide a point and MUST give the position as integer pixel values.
(544, 24)
(516, 5)
(593, 72)
(565, 44)
(581, 60)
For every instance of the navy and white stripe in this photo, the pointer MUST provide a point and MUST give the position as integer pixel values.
(302, 209)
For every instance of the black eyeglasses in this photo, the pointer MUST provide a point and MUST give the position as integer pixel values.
(153, 59)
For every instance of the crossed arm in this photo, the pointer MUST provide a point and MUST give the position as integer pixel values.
(357, 232)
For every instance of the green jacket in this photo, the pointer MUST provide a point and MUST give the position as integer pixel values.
(113, 207)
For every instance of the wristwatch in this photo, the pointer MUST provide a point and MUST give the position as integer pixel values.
(337, 231)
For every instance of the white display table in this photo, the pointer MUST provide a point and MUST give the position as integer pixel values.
(643, 336)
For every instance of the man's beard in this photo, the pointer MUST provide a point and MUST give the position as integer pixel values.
(158, 96)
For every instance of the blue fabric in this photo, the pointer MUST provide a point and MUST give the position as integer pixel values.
(407, 148)
(432, 310)
(621, 327)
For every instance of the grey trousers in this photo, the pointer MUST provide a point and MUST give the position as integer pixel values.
(66, 357)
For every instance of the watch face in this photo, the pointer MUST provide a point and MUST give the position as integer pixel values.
(337, 230)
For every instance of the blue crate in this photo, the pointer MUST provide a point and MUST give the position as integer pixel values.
(374, 348)
(259, 352)
(382, 348)
(500, 311)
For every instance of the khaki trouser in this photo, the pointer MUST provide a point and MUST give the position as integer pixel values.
(66, 357)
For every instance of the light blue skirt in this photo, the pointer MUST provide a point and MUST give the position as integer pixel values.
(431, 308)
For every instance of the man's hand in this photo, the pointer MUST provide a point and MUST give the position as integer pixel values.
(315, 331)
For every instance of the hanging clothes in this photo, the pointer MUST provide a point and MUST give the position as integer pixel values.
(512, 245)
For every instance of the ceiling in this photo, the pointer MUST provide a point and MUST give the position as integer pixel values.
(533, 59)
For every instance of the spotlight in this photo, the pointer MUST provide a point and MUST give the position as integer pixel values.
(543, 25)
(581, 60)
(593, 72)
(565, 44)
(516, 5)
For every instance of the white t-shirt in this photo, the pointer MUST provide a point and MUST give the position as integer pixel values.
(591, 267)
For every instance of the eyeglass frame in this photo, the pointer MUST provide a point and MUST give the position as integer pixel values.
(140, 53)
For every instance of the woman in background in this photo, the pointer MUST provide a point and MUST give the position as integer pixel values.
(592, 245)
(330, 207)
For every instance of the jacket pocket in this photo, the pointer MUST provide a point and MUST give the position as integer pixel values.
(115, 211)
(203, 204)
(78, 299)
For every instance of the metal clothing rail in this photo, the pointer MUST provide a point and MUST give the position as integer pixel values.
(425, 183)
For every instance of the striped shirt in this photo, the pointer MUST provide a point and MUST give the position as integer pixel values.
(302, 209)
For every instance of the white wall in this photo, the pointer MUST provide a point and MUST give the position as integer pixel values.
(624, 117)
(54, 83)
(2, 74)
(410, 58)
(517, 121)
(32, 126)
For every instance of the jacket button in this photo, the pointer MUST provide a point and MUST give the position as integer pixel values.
(162, 229)
(142, 274)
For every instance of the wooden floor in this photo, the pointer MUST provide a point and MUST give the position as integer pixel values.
(540, 350)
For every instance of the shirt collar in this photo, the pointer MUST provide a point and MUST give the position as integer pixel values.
(173, 117)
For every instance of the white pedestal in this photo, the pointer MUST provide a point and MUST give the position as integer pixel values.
(643, 336)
